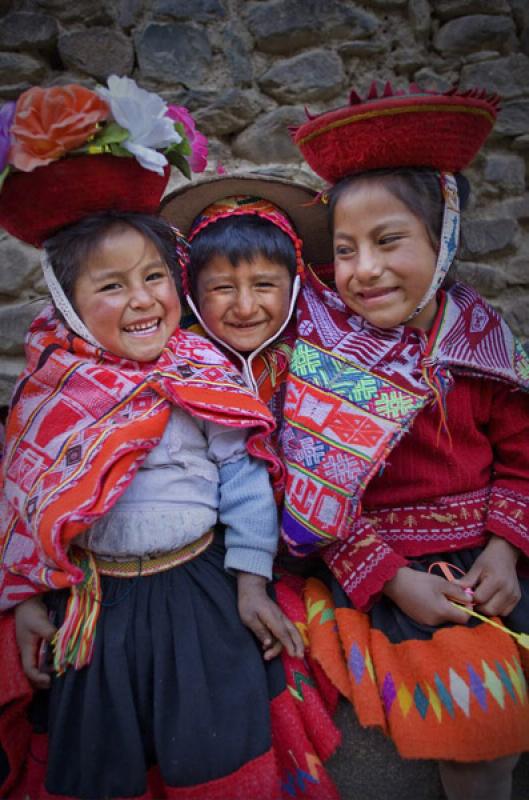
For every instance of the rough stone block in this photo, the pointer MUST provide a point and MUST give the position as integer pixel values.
(521, 142)
(362, 47)
(513, 119)
(238, 58)
(129, 13)
(448, 9)
(96, 12)
(517, 207)
(476, 32)
(508, 76)
(506, 172)
(18, 72)
(176, 53)
(387, 5)
(18, 262)
(517, 271)
(284, 26)
(14, 323)
(199, 10)
(313, 75)
(480, 237)
(229, 113)
(268, 140)
(483, 277)
(97, 51)
(28, 31)
(420, 16)
(429, 79)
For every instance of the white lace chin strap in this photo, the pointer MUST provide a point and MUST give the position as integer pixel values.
(448, 241)
(62, 303)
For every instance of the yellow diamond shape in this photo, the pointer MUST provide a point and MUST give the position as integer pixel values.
(434, 702)
(405, 699)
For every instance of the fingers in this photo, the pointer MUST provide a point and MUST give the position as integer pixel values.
(501, 602)
(271, 652)
(29, 655)
(283, 630)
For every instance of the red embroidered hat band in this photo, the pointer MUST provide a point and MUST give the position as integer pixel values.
(443, 131)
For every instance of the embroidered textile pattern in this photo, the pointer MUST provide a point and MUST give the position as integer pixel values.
(429, 695)
(81, 423)
(354, 390)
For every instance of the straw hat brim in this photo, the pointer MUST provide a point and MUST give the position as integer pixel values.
(299, 202)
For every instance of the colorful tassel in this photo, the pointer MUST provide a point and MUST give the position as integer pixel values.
(438, 381)
(73, 643)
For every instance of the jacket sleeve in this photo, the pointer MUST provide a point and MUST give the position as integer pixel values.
(363, 564)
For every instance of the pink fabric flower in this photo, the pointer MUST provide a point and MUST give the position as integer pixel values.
(199, 144)
(50, 122)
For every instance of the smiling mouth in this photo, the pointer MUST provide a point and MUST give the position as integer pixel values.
(246, 325)
(145, 328)
(373, 295)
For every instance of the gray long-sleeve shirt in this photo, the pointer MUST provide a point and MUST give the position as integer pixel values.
(199, 473)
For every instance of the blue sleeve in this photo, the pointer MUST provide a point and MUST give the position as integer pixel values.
(247, 508)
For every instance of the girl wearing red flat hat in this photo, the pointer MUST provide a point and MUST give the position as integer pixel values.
(406, 441)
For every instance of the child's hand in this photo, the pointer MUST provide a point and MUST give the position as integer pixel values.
(426, 598)
(32, 627)
(493, 578)
(265, 619)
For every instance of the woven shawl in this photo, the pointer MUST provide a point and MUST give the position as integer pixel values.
(354, 390)
(81, 423)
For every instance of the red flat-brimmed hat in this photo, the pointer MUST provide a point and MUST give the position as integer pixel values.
(421, 128)
(34, 205)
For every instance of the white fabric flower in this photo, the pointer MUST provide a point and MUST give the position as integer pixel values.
(143, 114)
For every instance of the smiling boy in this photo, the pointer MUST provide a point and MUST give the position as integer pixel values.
(249, 236)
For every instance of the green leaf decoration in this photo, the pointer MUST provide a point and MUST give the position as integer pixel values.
(184, 146)
(110, 134)
(179, 161)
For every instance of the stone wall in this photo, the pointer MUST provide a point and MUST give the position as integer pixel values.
(247, 68)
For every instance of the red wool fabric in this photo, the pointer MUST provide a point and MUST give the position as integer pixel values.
(440, 131)
(34, 205)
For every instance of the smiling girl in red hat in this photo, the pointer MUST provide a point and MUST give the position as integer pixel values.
(128, 438)
(406, 441)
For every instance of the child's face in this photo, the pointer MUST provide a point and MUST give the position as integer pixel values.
(246, 305)
(126, 296)
(384, 259)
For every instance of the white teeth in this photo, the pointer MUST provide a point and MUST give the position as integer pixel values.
(142, 327)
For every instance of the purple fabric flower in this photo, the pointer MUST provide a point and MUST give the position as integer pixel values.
(199, 144)
(7, 112)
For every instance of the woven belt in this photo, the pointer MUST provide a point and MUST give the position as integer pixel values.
(150, 566)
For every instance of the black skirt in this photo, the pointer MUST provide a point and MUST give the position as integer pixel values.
(176, 680)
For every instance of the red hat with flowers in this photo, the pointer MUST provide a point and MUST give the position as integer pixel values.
(68, 151)
(417, 128)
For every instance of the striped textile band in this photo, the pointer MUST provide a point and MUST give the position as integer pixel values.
(138, 566)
